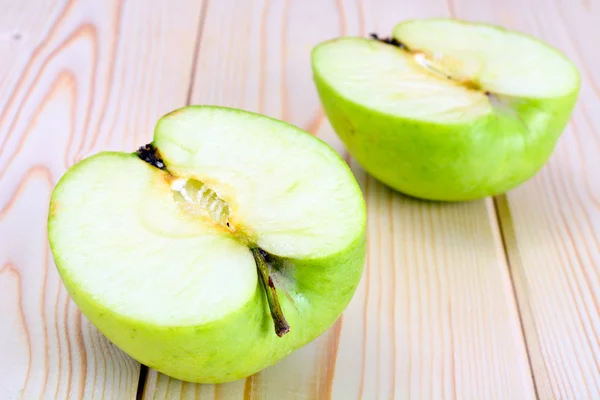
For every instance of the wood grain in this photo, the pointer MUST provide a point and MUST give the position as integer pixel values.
(552, 223)
(77, 77)
(435, 315)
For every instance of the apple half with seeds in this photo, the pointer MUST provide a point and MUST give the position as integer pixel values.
(230, 241)
(447, 109)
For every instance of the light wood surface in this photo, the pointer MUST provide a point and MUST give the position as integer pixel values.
(76, 77)
(493, 299)
(551, 225)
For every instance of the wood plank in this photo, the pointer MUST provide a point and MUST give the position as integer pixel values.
(552, 223)
(434, 315)
(77, 77)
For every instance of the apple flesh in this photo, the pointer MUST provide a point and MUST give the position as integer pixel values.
(446, 109)
(229, 242)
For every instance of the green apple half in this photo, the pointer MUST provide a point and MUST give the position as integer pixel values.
(229, 242)
(447, 109)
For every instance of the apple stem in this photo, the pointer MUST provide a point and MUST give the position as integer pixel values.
(281, 325)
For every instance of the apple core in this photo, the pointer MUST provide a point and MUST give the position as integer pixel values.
(198, 200)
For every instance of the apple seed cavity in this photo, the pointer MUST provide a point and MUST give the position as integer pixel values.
(196, 197)
(428, 62)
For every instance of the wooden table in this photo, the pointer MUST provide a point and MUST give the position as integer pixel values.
(492, 299)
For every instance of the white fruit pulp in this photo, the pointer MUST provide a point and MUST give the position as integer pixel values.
(445, 71)
(120, 235)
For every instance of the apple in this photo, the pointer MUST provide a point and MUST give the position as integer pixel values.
(445, 109)
(230, 241)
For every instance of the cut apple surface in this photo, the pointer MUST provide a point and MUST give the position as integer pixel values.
(164, 249)
(495, 60)
(478, 107)
(391, 80)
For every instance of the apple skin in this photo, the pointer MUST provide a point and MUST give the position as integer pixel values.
(449, 162)
(243, 342)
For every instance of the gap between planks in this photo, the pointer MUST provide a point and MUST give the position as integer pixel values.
(199, 30)
(503, 230)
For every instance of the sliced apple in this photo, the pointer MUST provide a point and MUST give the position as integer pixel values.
(229, 242)
(446, 109)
